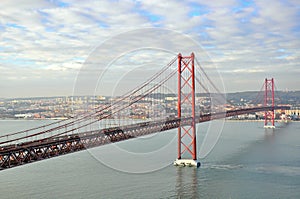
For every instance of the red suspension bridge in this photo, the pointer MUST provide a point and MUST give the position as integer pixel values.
(90, 129)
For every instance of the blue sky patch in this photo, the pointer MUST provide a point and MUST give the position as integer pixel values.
(60, 3)
(197, 10)
(150, 16)
(13, 25)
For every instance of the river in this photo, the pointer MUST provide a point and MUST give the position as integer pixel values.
(248, 161)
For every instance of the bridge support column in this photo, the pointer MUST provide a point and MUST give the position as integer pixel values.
(269, 100)
(187, 144)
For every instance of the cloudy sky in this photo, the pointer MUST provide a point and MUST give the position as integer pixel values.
(44, 44)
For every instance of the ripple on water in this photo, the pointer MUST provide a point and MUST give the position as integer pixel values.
(224, 166)
(284, 170)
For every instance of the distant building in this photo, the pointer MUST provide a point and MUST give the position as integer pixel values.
(23, 116)
(170, 98)
(294, 113)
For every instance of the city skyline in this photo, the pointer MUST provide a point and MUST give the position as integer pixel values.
(46, 44)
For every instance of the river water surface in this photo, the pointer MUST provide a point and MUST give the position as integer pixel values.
(247, 162)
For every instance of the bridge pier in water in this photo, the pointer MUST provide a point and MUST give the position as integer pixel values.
(187, 144)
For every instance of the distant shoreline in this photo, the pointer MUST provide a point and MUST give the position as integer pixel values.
(236, 120)
(31, 119)
(39, 119)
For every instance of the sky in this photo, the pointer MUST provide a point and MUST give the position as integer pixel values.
(45, 45)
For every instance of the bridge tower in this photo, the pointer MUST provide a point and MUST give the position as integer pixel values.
(187, 144)
(269, 100)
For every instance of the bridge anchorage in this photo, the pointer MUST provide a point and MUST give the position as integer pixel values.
(187, 143)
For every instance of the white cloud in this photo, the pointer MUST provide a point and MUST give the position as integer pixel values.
(248, 70)
(241, 38)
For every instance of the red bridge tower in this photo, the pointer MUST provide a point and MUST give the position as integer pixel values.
(269, 101)
(187, 144)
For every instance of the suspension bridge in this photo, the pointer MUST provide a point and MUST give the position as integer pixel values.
(113, 122)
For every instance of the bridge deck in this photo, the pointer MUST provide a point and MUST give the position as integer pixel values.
(27, 152)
